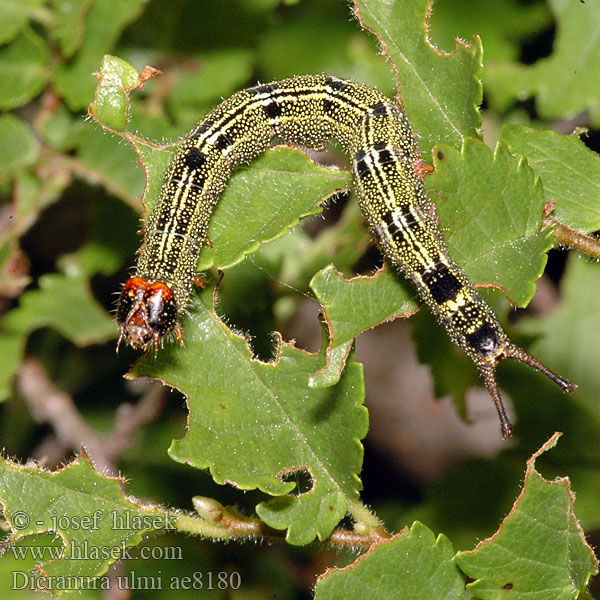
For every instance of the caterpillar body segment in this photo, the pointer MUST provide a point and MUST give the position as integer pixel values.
(387, 170)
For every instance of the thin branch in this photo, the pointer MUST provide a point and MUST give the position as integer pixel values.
(571, 237)
(219, 522)
(130, 418)
(48, 404)
(241, 528)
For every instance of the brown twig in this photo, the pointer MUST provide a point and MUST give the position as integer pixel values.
(50, 405)
(571, 237)
(130, 418)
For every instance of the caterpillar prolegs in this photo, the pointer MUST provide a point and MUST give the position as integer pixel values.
(387, 169)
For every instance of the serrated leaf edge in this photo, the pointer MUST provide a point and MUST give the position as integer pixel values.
(332, 340)
(476, 46)
(16, 534)
(530, 471)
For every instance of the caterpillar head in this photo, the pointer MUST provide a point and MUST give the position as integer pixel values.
(147, 312)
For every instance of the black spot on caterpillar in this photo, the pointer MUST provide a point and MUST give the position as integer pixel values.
(387, 169)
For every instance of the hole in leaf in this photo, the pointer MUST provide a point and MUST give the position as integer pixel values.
(303, 479)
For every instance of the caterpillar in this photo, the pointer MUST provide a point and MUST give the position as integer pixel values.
(388, 175)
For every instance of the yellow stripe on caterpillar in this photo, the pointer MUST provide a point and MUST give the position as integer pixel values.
(387, 170)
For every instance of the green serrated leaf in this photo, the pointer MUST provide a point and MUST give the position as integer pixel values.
(566, 83)
(23, 69)
(66, 304)
(68, 26)
(89, 511)
(539, 551)
(439, 112)
(264, 200)
(254, 423)
(111, 99)
(568, 169)
(14, 16)
(351, 307)
(18, 145)
(412, 564)
(103, 24)
(490, 206)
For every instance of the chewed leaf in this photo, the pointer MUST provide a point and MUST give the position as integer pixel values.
(111, 101)
(539, 551)
(88, 511)
(412, 564)
(490, 209)
(438, 112)
(503, 26)
(351, 307)
(253, 423)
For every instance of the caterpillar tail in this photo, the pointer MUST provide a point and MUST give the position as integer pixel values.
(487, 371)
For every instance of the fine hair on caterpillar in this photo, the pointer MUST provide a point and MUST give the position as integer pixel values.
(387, 171)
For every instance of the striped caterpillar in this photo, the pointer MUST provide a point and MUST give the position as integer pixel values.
(387, 169)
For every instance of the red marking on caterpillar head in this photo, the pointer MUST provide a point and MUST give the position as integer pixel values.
(146, 312)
